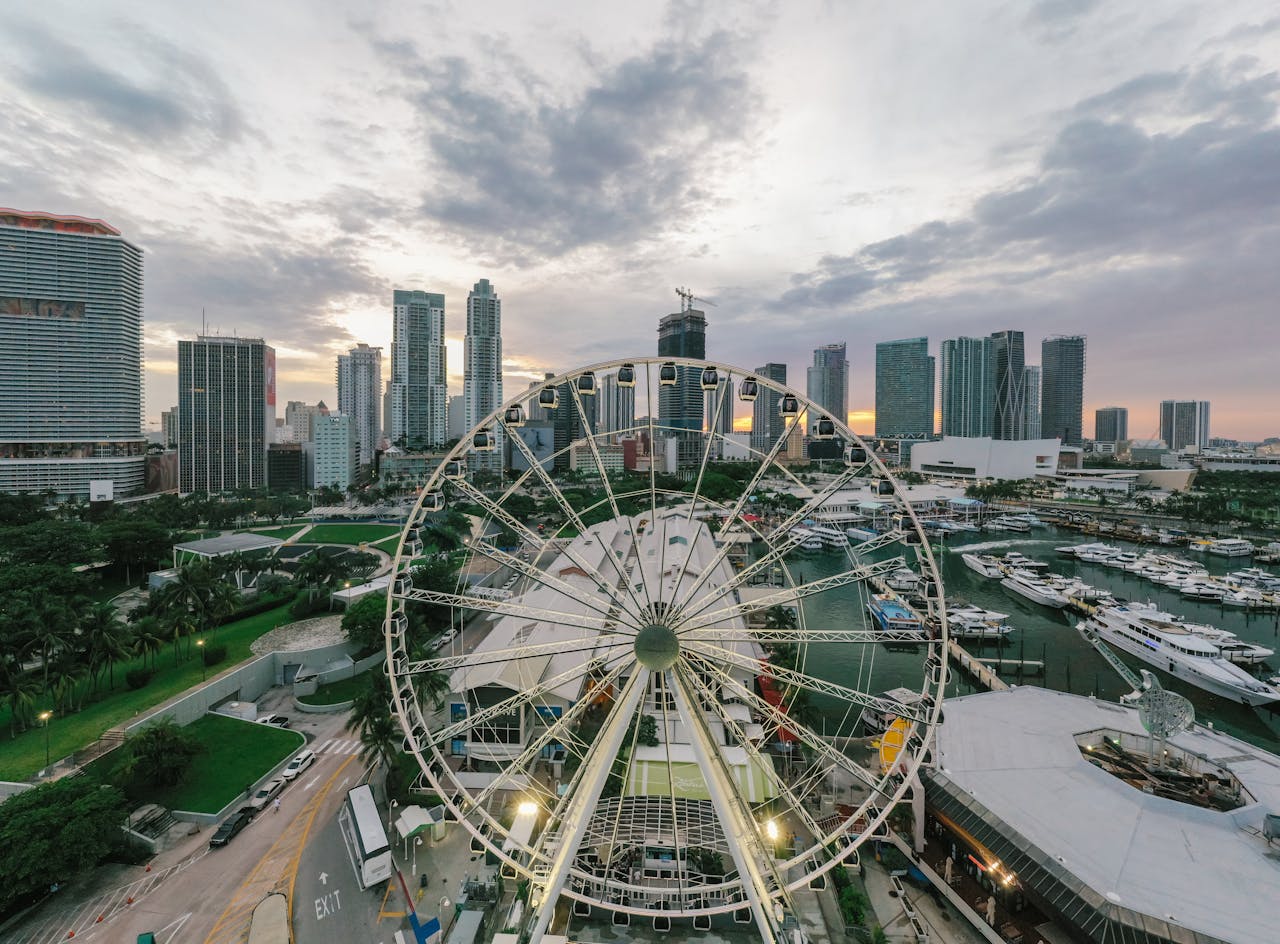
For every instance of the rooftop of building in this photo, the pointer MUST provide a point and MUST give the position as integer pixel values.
(38, 219)
(1016, 755)
(228, 544)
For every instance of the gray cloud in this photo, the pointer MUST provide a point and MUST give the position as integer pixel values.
(627, 160)
(180, 100)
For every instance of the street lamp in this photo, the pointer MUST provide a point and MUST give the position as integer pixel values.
(203, 668)
(416, 843)
(445, 918)
(46, 717)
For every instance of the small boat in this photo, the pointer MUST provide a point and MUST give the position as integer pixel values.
(1230, 547)
(1031, 587)
(1199, 590)
(1029, 519)
(983, 564)
(903, 579)
(890, 613)
(1121, 560)
(875, 720)
(965, 526)
(1007, 523)
(1020, 561)
(966, 621)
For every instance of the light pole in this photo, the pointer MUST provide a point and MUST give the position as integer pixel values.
(391, 813)
(416, 843)
(46, 717)
(445, 917)
(203, 667)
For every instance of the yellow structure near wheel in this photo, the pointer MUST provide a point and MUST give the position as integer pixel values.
(891, 744)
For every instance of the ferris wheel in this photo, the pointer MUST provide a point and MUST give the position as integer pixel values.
(630, 695)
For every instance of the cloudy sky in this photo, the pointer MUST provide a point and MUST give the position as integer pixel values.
(824, 171)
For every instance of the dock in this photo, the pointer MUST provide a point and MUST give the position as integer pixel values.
(1021, 666)
(977, 668)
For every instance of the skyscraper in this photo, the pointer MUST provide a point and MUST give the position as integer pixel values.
(767, 426)
(1028, 420)
(334, 452)
(904, 389)
(570, 423)
(720, 408)
(226, 413)
(617, 405)
(169, 428)
(70, 356)
(1184, 423)
(300, 417)
(457, 416)
(482, 376)
(1062, 389)
(1009, 360)
(683, 334)
(360, 397)
(968, 387)
(1111, 424)
(419, 372)
(828, 381)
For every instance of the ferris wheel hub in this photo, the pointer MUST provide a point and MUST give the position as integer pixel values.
(657, 647)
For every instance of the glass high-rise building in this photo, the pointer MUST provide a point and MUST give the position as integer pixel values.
(70, 357)
(482, 374)
(904, 389)
(828, 381)
(1184, 424)
(418, 394)
(1028, 424)
(617, 405)
(360, 398)
(680, 407)
(226, 413)
(1111, 424)
(968, 387)
(1009, 360)
(1062, 389)
(767, 426)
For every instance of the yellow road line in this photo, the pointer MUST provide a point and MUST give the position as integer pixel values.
(276, 871)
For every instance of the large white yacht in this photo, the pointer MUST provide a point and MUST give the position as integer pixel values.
(966, 621)
(1178, 650)
(1230, 547)
(1034, 589)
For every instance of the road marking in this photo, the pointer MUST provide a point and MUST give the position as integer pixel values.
(328, 904)
(324, 878)
(345, 780)
(173, 931)
(314, 780)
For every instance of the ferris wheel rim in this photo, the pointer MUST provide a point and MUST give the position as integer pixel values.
(400, 566)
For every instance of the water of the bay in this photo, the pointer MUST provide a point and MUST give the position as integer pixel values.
(1041, 634)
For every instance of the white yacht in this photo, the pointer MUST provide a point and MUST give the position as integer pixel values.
(1121, 560)
(1202, 590)
(984, 564)
(1007, 523)
(1178, 650)
(1230, 547)
(1254, 577)
(831, 537)
(966, 621)
(1098, 553)
(1232, 647)
(1029, 519)
(1020, 561)
(807, 540)
(904, 580)
(1034, 589)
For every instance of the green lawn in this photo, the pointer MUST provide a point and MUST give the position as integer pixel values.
(237, 753)
(335, 693)
(22, 756)
(349, 533)
(283, 533)
(388, 544)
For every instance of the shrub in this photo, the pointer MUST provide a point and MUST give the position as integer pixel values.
(303, 607)
(853, 905)
(138, 678)
(214, 654)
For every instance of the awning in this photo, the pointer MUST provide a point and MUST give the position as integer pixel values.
(413, 820)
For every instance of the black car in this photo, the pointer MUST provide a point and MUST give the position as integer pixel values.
(230, 826)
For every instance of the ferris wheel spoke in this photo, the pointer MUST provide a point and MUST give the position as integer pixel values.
(714, 703)
(576, 815)
(545, 579)
(506, 608)
(755, 865)
(479, 657)
(913, 713)
(794, 594)
(802, 635)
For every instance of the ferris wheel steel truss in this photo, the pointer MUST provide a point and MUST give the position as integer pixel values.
(701, 670)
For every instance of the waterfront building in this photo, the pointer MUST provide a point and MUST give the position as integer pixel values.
(1185, 424)
(334, 455)
(482, 375)
(680, 407)
(359, 377)
(982, 457)
(904, 389)
(828, 381)
(968, 387)
(1110, 424)
(1051, 798)
(1062, 364)
(226, 413)
(1008, 361)
(766, 425)
(70, 357)
(1028, 425)
(419, 371)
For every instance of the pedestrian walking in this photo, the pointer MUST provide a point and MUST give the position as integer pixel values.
(276, 805)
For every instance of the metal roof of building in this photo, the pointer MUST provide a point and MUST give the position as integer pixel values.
(1014, 753)
(228, 544)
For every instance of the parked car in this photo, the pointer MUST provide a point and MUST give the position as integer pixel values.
(299, 764)
(229, 827)
(276, 721)
(269, 791)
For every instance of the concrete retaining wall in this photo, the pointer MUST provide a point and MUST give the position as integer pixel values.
(322, 709)
(211, 819)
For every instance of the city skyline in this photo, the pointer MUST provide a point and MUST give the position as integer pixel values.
(1125, 190)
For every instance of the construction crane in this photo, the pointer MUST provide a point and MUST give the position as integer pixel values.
(687, 298)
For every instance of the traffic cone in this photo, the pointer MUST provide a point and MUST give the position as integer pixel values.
(129, 901)
(71, 934)
(148, 866)
(100, 917)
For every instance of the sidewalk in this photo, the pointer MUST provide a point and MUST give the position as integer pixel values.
(945, 924)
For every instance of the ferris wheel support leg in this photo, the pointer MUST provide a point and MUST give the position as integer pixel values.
(577, 816)
(749, 856)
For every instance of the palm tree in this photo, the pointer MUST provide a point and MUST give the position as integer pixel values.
(18, 689)
(371, 719)
(69, 672)
(148, 638)
(433, 687)
(104, 635)
(50, 633)
(779, 617)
